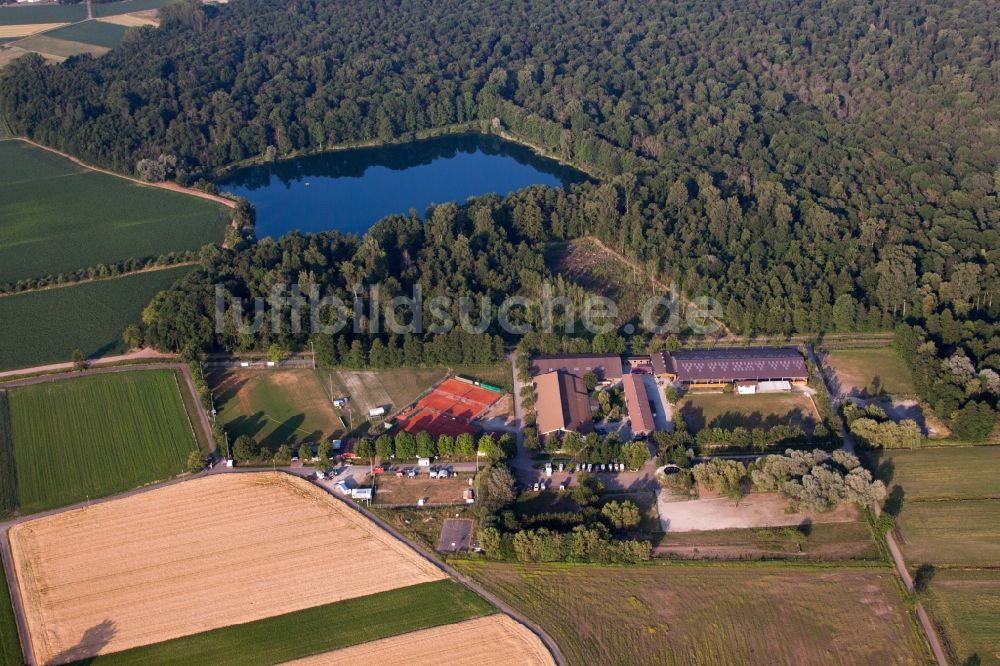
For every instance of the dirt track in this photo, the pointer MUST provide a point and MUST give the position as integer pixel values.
(485, 641)
(146, 568)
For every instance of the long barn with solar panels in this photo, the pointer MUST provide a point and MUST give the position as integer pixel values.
(719, 367)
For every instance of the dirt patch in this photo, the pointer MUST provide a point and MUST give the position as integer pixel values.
(500, 415)
(366, 389)
(391, 489)
(496, 639)
(147, 568)
(756, 510)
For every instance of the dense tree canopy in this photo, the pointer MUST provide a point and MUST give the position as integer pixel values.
(813, 166)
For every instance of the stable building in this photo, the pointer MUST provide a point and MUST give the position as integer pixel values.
(640, 412)
(767, 368)
(607, 367)
(563, 404)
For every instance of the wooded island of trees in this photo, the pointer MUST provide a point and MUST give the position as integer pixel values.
(813, 166)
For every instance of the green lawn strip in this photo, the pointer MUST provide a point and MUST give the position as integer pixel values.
(96, 436)
(60, 217)
(10, 645)
(8, 472)
(97, 33)
(46, 326)
(316, 630)
(966, 605)
(20, 15)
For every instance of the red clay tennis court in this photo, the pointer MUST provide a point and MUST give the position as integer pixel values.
(449, 409)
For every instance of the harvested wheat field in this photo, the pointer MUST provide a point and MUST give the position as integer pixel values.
(485, 641)
(129, 20)
(22, 30)
(146, 568)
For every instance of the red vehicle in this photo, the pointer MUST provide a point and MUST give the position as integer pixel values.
(378, 470)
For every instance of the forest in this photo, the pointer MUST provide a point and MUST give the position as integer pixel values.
(813, 166)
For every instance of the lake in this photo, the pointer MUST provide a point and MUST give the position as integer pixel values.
(350, 190)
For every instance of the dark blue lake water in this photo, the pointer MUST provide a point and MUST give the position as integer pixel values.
(352, 189)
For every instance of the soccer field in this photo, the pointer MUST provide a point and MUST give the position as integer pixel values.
(95, 436)
(60, 217)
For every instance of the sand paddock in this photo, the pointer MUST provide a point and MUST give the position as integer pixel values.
(487, 641)
(198, 555)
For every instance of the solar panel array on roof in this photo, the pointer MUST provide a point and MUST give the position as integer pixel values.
(736, 364)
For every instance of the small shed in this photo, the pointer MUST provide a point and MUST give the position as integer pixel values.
(362, 493)
(746, 388)
(423, 462)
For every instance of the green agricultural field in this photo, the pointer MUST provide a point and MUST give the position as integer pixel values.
(858, 371)
(96, 436)
(127, 6)
(97, 33)
(276, 407)
(964, 533)
(58, 49)
(42, 14)
(765, 410)
(8, 475)
(966, 605)
(942, 473)
(315, 630)
(10, 646)
(59, 217)
(710, 614)
(46, 326)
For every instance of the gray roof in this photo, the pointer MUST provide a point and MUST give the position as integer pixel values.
(736, 364)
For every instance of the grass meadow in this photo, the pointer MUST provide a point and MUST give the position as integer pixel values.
(46, 326)
(765, 410)
(97, 33)
(97, 435)
(942, 473)
(315, 630)
(954, 533)
(62, 217)
(711, 614)
(10, 645)
(857, 370)
(966, 605)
